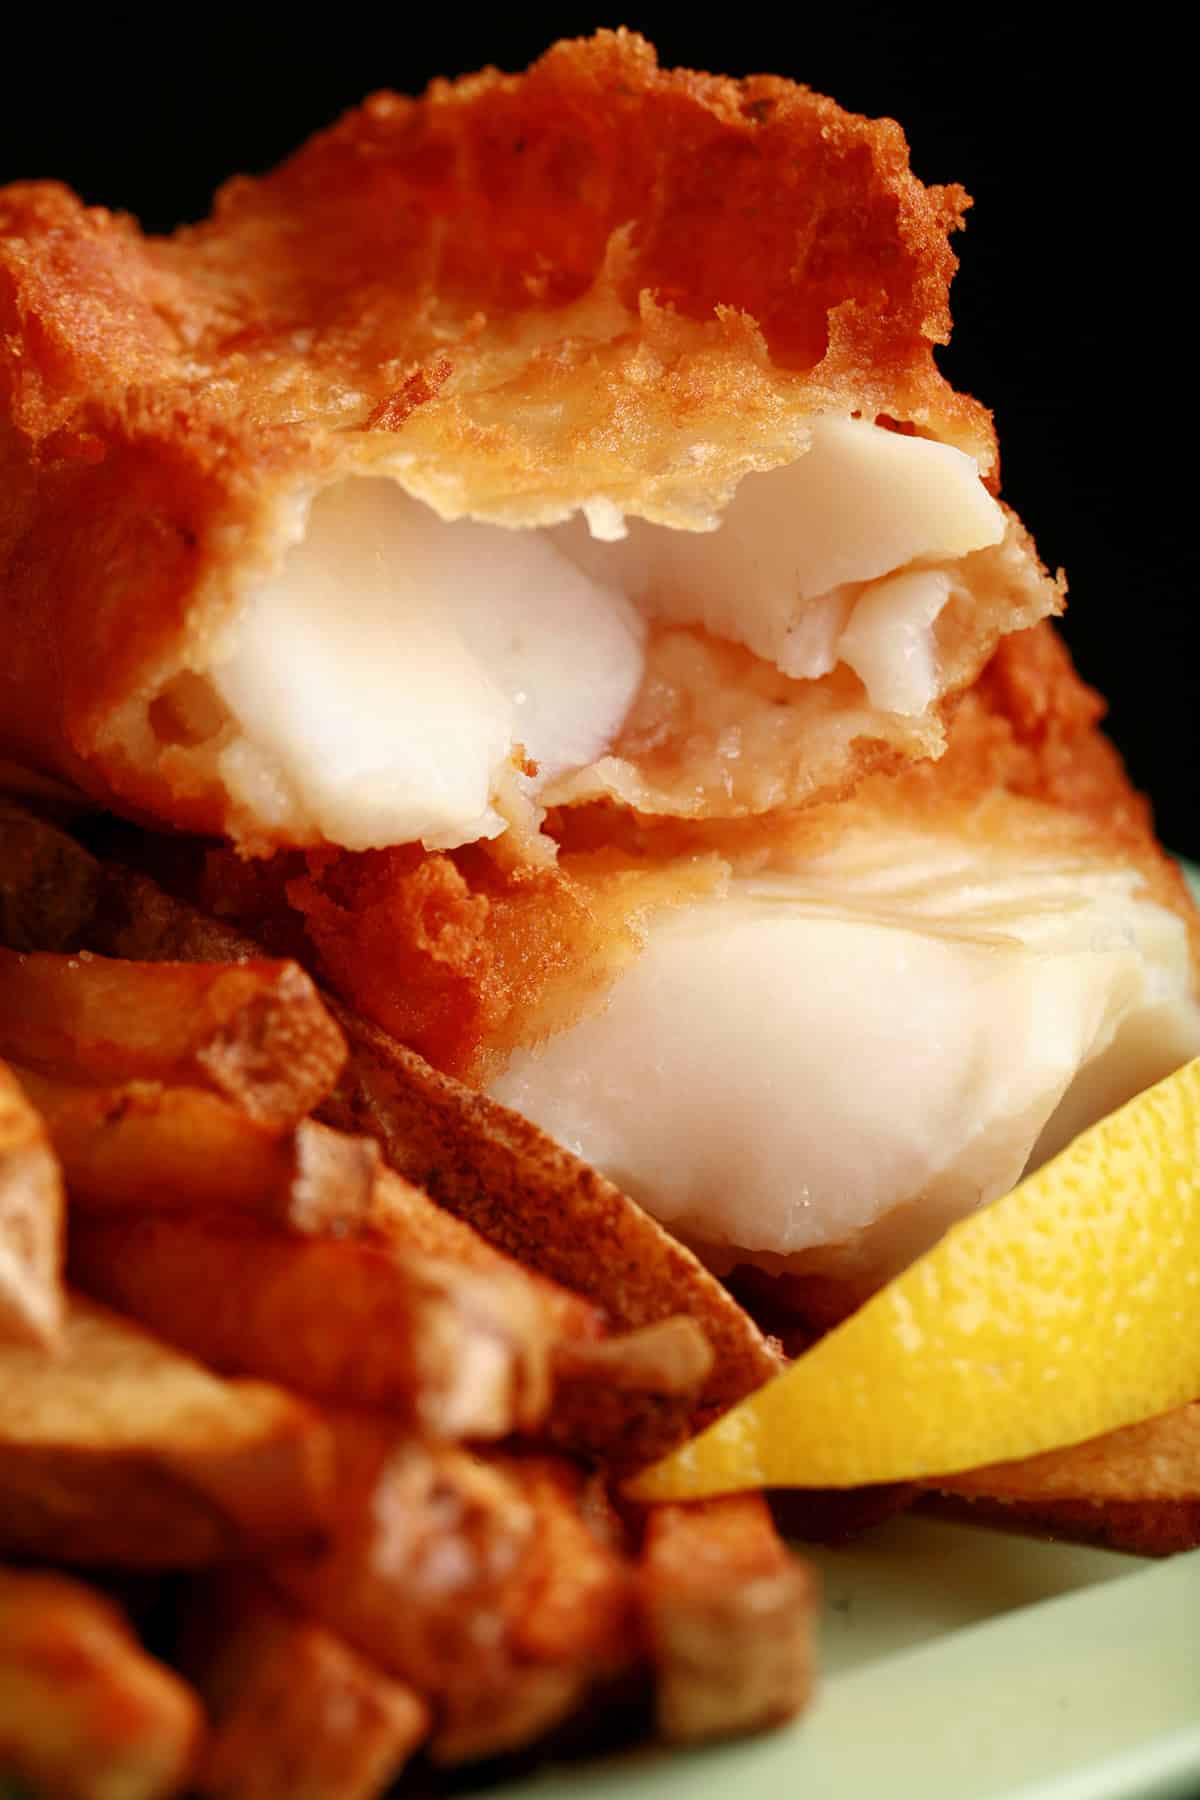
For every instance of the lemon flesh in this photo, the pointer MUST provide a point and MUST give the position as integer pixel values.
(1066, 1309)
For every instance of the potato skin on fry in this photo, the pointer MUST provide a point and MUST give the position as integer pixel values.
(31, 1224)
(49, 885)
(119, 1450)
(178, 1149)
(351, 1320)
(1133, 1527)
(297, 1714)
(537, 1202)
(477, 1579)
(256, 1033)
(85, 1714)
(1136, 1489)
(730, 1615)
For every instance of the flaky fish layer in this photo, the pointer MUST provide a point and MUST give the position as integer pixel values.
(598, 289)
(812, 1039)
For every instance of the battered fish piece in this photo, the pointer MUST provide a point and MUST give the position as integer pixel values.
(531, 525)
(551, 438)
(809, 1042)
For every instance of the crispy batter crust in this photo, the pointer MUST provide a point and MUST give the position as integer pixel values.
(516, 295)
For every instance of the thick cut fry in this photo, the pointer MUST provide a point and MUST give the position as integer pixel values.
(454, 1573)
(730, 1615)
(49, 885)
(403, 1215)
(31, 1224)
(457, 1354)
(672, 1357)
(120, 1450)
(85, 1714)
(128, 915)
(181, 1149)
(254, 1032)
(613, 1396)
(1134, 1527)
(534, 1200)
(1134, 1489)
(1158, 1459)
(296, 1713)
(573, 1624)
(421, 1552)
(56, 896)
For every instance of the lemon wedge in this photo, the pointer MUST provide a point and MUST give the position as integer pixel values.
(1066, 1309)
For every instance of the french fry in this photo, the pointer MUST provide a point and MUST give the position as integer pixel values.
(119, 1450)
(31, 1224)
(405, 1216)
(455, 1353)
(730, 1615)
(421, 1548)
(671, 1357)
(253, 1032)
(459, 1576)
(615, 1395)
(127, 915)
(1134, 1527)
(85, 1714)
(49, 885)
(572, 1625)
(501, 1586)
(181, 1149)
(296, 1714)
(540, 1204)
(1158, 1459)
(1135, 1489)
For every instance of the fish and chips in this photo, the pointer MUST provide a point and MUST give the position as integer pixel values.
(605, 862)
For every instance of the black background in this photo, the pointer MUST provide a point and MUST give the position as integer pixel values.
(1074, 310)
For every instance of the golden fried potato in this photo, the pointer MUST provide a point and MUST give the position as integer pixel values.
(730, 1615)
(456, 1353)
(296, 1713)
(572, 1622)
(476, 1581)
(85, 1714)
(182, 1149)
(534, 1200)
(49, 885)
(1135, 1489)
(119, 1450)
(31, 1224)
(255, 1033)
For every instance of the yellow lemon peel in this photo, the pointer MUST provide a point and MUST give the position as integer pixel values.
(1066, 1309)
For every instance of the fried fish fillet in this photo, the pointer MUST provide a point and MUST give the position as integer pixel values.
(812, 1040)
(552, 437)
(531, 525)
(885, 1013)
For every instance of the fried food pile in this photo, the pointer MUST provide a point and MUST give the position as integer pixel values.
(368, 1442)
(379, 1451)
(562, 675)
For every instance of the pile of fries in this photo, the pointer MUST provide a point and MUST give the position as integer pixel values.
(320, 1374)
(377, 1454)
